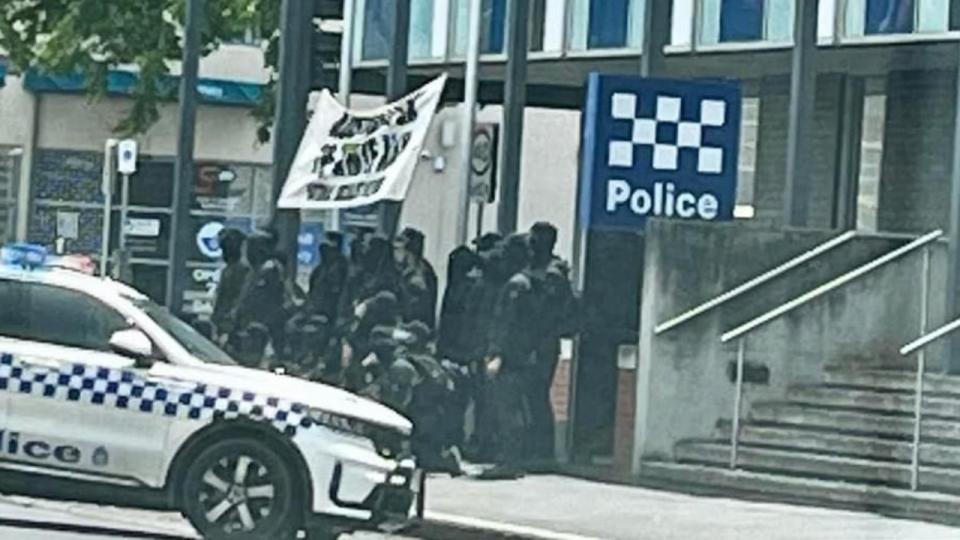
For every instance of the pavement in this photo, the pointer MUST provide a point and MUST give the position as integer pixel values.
(534, 508)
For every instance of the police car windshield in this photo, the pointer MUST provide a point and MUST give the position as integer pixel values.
(191, 340)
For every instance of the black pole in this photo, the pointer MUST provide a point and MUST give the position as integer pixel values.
(397, 81)
(183, 168)
(514, 102)
(803, 87)
(293, 90)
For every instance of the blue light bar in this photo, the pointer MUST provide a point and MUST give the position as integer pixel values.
(23, 255)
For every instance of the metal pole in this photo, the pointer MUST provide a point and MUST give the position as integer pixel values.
(345, 86)
(468, 122)
(124, 210)
(346, 53)
(514, 102)
(293, 90)
(183, 168)
(921, 369)
(953, 264)
(106, 188)
(396, 88)
(803, 83)
(737, 402)
(481, 206)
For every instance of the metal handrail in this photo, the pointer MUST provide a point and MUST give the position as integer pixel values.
(919, 346)
(756, 282)
(923, 341)
(740, 333)
(829, 286)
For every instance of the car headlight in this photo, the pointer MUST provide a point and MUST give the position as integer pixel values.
(389, 443)
(337, 422)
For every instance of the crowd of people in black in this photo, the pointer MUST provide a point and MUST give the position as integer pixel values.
(475, 379)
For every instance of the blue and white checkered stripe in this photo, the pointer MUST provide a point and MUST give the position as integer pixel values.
(125, 390)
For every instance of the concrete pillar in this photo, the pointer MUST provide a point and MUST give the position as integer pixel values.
(514, 103)
(803, 83)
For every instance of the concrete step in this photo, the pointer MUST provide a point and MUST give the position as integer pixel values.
(871, 424)
(700, 479)
(822, 466)
(873, 400)
(892, 380)
(792, 438)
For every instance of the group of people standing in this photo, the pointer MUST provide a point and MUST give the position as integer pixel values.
(477, 378)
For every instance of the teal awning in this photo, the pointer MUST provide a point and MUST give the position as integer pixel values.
(121, 83)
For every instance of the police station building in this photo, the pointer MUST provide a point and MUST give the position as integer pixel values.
(730, 318)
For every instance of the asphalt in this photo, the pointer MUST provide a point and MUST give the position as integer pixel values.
(534, 508)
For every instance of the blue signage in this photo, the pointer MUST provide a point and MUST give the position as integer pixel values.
(658, 148)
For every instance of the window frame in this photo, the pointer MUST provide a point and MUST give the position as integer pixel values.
(696, 34)
(840, 36)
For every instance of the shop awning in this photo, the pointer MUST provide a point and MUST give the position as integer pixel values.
(121, 83)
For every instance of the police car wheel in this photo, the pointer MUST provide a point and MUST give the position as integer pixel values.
(241, 489)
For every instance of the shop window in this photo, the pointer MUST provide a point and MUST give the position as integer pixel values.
(606, 24)
(547, 19)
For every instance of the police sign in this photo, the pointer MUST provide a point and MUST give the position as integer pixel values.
(658, 148)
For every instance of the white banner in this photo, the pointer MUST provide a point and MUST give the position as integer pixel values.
(354, 158)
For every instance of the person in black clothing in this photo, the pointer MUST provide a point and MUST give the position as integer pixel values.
(549, 278)
(376, 272)
(233, 277)
(455, 333)
(512, 344)
(381, 310)
(481, 314)
(455, 336)
(328, 279)
(418, 280)
(260, 312)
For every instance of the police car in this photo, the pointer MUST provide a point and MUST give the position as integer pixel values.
(104, 392)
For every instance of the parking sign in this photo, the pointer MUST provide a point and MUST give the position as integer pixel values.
(658, 148)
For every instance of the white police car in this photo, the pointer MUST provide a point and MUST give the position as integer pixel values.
(105, 396)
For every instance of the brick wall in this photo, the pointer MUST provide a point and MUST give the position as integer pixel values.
(772, 149)
(917, 145)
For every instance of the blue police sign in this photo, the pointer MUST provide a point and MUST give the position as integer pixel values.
(658, 148)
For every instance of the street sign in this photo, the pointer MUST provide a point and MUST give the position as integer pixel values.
(127, 156)
(658, 148)
(483, 163)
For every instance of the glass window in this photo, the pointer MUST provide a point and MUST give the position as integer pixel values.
(605, 24)
(889, 16)
(730, 21)
(493, 25)
(424, 28)
(377, 28)
(41, 309)
(879, 17)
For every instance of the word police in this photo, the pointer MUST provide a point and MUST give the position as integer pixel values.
(12, 444)
(665, 201)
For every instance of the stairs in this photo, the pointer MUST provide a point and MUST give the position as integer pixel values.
(847, 441)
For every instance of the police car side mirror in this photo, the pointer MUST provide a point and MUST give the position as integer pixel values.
(133, 343)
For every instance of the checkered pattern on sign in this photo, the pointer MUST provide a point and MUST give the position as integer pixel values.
(687, 134)
(121, 389)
